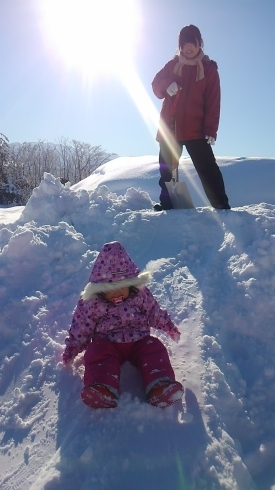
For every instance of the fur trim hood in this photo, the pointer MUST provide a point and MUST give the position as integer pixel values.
(113, 269)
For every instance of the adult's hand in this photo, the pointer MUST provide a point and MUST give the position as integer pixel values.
(172, 89)
(210, 140)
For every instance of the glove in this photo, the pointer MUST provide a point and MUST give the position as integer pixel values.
(67, 359)
(175, 334)
(172, 89)
(210, 140)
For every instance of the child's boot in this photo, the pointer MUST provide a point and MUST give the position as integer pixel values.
(165, 393)
(98, 396)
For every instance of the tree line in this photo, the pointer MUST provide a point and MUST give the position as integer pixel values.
(22, 165)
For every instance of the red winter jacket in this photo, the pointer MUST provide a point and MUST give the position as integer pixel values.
(196, 106)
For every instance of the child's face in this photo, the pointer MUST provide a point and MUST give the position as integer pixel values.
(117, 295)
(190, 50)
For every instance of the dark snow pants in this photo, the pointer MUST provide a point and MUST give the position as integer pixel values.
(204, 161)
(104, 358)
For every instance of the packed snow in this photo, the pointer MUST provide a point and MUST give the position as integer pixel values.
(212, 270)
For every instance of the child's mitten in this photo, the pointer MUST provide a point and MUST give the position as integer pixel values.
(68, 355)
(175, 334)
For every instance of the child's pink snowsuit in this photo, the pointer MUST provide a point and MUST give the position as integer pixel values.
(119, 332)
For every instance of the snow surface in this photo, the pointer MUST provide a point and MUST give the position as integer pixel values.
(212, 270)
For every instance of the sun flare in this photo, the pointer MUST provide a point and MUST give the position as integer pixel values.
(93, 35)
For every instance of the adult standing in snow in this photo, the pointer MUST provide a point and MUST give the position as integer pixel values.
(112, 323)
(190, 87)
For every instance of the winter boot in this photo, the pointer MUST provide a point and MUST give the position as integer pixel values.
(162, 207)
(98, 396)
(165, 393)
(225, 205)
(158, 207)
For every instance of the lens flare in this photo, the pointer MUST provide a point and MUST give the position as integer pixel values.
(91, 35)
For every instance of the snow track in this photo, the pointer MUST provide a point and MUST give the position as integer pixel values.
(213, 271)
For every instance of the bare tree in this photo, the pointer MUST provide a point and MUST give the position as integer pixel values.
(64, 150)
(84, 159)
(9, 192)
(69, 161)
(80, 159)
(45, 158)
(4, 154)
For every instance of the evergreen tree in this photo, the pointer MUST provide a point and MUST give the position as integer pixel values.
(7, 189)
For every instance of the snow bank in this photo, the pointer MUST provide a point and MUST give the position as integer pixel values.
(213, 271)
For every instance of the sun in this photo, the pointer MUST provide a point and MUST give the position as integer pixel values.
(92, 35)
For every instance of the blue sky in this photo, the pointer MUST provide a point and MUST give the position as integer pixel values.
(42, 97)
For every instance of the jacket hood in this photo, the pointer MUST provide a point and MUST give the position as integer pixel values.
(113, 269)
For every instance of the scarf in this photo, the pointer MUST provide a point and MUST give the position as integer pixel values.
(194, 61)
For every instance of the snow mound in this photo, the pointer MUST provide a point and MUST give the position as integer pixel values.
(213, 271)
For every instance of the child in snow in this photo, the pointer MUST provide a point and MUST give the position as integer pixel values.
(190, 87)
(112, 322)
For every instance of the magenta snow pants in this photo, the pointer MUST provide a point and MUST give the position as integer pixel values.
(104, 358)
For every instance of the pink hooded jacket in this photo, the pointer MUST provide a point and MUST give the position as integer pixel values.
(128, 321)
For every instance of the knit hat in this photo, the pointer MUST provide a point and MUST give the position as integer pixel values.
(190, 34)
(113, 269)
